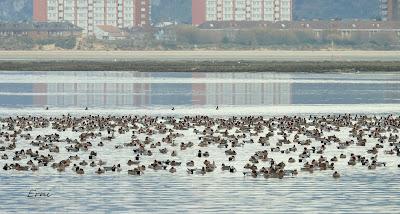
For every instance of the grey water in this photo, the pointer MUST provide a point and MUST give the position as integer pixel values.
(139, 90)
(376, 192)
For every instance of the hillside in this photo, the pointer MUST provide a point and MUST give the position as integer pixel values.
(172, 10)
(15, 10)
(328, 9)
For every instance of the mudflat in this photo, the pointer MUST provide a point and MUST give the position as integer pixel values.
(256, 55)
(201, 61)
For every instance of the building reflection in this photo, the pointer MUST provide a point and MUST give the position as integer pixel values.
(241, 93)
(94, 94)
(200, 93)
(100, 89)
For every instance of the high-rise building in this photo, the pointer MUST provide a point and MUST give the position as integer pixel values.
(88, 14)
(241, 10)
(390, 10)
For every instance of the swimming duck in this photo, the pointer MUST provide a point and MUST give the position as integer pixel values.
(174, 153)
(336, 175)
(135, 171)
(190, 163)
(6, 167)
(224, 167)
(100, 171)
(172, 170)
(34, 168)
(83, 163)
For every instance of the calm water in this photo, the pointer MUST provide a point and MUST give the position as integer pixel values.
(164, 193)
(138, 90)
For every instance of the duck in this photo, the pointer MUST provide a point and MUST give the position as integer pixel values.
(93, 164)
(190, 163)
(351, 162)
(130, 162)
(224, 167)
(6, 167)
(61, 168)
(135, 171)
(172, 170)
(83, 163)
(30, 162)
(336, 175)
(202, 171)
(101, 162)
(175, 163)
(100, 171)
(34, 168)
(21, 168)
(80, 171)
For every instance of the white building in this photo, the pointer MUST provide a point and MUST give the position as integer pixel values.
(88, 14)
(241, 10)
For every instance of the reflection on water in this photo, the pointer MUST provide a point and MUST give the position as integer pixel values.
(152, 194)
(376, 192)
(135, 89)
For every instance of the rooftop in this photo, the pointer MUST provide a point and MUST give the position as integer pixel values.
(299, 25)
(38, 26)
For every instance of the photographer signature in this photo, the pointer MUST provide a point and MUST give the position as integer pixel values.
(34, 193)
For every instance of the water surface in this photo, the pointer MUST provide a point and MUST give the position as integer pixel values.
(144, 90)
(243, 93)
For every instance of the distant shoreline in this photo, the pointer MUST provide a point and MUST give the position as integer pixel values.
(202, 66)
(201, 61)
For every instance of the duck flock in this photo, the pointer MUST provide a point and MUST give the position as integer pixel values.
(274, 147)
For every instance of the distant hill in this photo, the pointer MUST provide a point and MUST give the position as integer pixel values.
(328, 9)
(16, 10)
(180, 10)
(172, 10)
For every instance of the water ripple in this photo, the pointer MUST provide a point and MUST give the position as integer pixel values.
(167, 194)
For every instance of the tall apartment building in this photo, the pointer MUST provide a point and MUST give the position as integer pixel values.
(390, 10)
(88, 14)
(241, 10)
